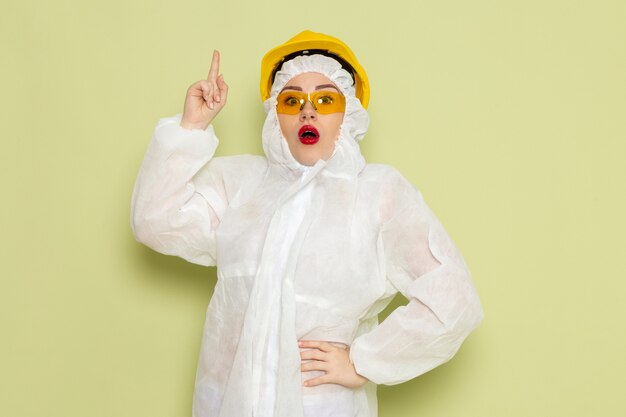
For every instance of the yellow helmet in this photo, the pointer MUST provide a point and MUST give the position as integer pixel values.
(315, 43)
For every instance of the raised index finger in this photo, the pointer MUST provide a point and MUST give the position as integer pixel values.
(215, 66)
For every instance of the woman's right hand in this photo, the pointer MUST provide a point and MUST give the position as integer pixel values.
(205, 98)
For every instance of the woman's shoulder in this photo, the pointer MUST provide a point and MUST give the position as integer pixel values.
(392, 189)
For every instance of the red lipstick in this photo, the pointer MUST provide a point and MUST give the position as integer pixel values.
(308, 135)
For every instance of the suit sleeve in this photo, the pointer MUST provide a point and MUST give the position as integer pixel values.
(443, 307)
(182, 191)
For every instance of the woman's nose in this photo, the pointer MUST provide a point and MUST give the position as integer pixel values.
(308, 112)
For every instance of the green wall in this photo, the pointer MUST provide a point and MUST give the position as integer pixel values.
(508, 115)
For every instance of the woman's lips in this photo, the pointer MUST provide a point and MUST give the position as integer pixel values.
(308, 135)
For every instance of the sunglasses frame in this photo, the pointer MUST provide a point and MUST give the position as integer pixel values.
(337, 106)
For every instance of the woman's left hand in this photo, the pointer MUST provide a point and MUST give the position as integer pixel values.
(331, 359)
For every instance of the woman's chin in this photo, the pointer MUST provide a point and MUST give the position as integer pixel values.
(308, 155)
(309, 162)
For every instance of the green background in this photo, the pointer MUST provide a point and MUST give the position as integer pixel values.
(508, 115)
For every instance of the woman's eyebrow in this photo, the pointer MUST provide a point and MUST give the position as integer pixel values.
(319, 87)
(291, 87)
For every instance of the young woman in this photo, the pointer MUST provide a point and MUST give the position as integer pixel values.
(310, 242)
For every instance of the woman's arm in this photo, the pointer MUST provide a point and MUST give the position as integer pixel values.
(181, 191)
(167, 214)
(425, 266)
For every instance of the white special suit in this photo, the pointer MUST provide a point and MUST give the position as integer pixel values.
(311, 253)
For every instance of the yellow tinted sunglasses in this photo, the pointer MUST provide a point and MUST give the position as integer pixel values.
(324, 102)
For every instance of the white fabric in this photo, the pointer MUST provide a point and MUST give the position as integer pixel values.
(311, 253)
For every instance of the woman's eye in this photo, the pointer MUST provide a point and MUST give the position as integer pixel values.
(325, 100)
(289, 100)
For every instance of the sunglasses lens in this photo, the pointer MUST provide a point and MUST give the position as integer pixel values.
(327, 102)
(290, 102)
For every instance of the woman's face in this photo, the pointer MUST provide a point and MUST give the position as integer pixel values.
(310, 135)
